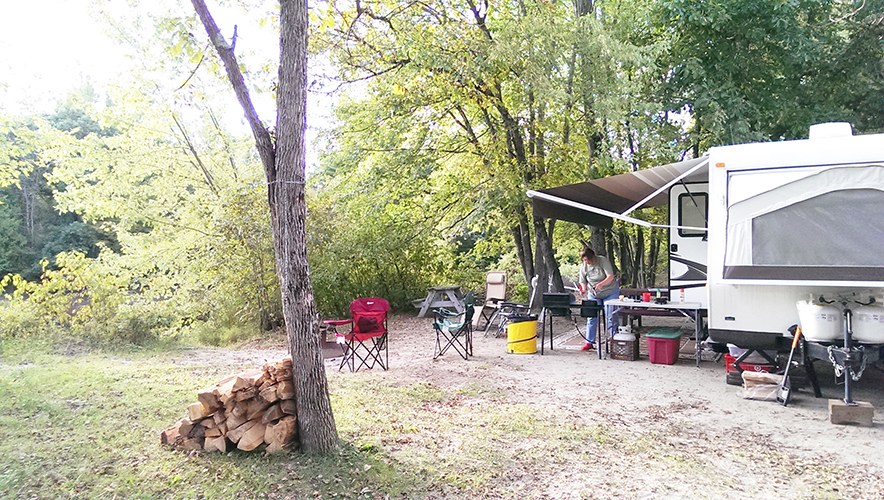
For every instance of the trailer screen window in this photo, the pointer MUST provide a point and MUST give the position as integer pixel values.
(825, 225)
(692, 212)
(836, 228)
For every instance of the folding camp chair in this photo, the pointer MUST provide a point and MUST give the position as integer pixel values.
(366, 344)
(454, 329)
(495, 294)
(507, 310)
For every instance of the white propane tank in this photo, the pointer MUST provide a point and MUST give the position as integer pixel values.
(868, 324)
(819, 322)
(624, 334)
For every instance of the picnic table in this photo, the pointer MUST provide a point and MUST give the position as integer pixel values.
(442, 296)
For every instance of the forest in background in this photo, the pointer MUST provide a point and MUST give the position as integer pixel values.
(136, 212)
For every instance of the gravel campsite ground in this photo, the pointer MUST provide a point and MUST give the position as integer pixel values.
(673, 431)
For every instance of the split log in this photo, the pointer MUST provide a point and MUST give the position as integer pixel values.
(197, 431)
(272, 414)
(285, 389)
(235, 421)
(172, 435)
(269, 394)
(281, 435)
(209, 399)
(224, 391)
(219, 417)
(197, 411)
(266, 384)
(253, 437)
(248, 379)
(216, 444)
(185, 427)
(247, 393)
(235, 434)
(288, 407)
(193, 444)
(255, 408)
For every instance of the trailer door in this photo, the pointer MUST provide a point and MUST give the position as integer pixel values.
(688, 215)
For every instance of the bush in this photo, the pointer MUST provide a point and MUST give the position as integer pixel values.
(81, 302)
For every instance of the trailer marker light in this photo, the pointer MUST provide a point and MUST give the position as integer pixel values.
(719, 165)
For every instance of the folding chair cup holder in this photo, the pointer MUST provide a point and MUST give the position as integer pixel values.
(367, 345)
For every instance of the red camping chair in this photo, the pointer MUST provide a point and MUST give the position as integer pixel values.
(366, 344)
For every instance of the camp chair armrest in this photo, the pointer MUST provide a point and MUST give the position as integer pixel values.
(513, 305)
(443, 313)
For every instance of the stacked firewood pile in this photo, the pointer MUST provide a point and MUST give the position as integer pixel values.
(247, 410)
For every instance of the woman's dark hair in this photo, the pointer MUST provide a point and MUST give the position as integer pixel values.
(588, 253)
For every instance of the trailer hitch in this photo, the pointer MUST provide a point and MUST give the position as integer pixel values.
(852, 361)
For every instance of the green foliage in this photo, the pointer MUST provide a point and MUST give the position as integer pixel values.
(33, 229)
(767, 69)
(184, 228)
(369, 247)
(467, 108)
(461, 109)
(87, 301)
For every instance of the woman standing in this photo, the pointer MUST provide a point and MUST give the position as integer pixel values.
(597, 281)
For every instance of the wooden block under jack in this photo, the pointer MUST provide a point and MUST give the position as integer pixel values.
(842, 413)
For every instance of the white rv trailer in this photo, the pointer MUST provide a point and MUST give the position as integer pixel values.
(787, 221)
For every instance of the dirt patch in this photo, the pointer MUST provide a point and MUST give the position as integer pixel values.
(691, 409)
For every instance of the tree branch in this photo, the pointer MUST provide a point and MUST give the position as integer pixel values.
(263, 140)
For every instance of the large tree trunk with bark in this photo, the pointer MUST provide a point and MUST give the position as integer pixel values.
(522, 239)
(316, 423)
(546, 267)
(284, 167)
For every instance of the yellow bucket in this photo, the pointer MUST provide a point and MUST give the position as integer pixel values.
(521, 337)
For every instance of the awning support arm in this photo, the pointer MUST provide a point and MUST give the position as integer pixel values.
(668, 185)
(606, 213)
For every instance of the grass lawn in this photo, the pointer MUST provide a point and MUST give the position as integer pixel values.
(87, 425)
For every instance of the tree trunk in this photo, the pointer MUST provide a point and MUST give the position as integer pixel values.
(653, 257)
(597, 242)
(284, 166)
(554, 271)
(638, 262)
(540, 265)
(523, 245)
(316, 424)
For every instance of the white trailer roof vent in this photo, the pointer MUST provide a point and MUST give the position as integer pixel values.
(830, 130)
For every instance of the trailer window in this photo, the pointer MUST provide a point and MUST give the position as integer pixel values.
(841, 228)
(825, 225)
(692, 212)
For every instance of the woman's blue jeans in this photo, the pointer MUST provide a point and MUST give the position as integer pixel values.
(592, 323)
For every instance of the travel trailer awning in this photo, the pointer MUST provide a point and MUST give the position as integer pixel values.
(600, 201)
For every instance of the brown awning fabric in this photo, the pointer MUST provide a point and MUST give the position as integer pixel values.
(617, 194)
